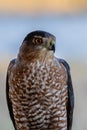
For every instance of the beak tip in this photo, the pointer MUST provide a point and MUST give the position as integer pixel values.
(53, 48)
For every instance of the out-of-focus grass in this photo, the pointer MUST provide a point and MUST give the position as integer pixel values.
(78, 72)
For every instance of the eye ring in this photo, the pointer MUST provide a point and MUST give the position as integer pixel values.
(37, 41)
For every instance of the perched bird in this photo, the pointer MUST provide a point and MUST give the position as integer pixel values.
(39, 89)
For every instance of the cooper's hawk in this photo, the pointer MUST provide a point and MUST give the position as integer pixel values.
(38, 88)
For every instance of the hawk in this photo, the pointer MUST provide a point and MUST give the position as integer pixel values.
(39, 89)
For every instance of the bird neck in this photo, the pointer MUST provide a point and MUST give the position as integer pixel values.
(42, 56)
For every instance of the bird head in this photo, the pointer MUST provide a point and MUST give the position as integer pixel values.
(36, 42)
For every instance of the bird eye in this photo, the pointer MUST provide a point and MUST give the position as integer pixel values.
(37, 41)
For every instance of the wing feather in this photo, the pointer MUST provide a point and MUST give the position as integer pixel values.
(70, 105)
(9, 104)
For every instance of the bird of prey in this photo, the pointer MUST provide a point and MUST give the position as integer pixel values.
(39, 89)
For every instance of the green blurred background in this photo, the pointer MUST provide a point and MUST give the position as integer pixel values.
(67, 20)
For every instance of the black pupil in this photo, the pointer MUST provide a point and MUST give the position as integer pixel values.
(38, 40)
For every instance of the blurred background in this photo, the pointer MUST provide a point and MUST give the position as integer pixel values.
(67, 20)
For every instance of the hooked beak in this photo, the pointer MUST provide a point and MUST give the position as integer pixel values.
(51, 45)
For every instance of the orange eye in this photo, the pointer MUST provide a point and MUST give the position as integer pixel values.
(37, 41)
